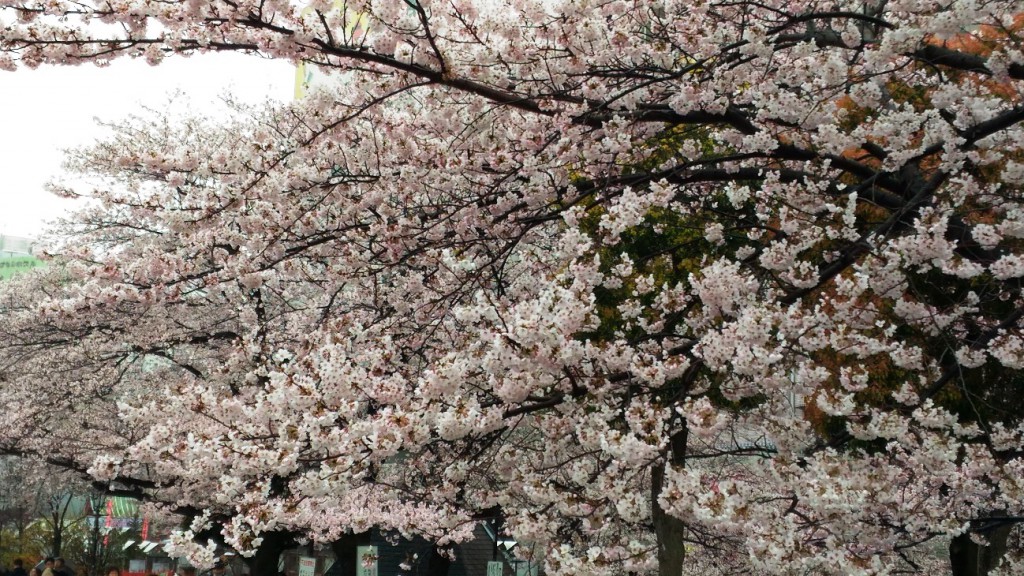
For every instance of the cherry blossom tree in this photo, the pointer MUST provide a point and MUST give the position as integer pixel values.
(18, 502)
(72, 370)
(637, 278)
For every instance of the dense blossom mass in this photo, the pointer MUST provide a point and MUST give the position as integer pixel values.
(670, 285)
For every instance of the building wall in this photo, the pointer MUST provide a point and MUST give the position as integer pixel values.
(471, 558)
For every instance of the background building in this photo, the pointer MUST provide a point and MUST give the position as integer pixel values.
(16, 255)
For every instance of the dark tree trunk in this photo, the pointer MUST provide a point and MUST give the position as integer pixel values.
(438, 564)
(95, 537)
(265, 561)
(970, 559)
(344, 549)
(58, 535)
(668, 529)
(20, 526)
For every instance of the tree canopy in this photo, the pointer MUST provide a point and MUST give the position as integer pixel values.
(665, 286)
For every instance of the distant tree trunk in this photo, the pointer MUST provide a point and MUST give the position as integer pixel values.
(20, 524)
(970, 559)
(668, 529)
(60, 504)
(57, 540)
(344, 549)
(93, 556)
(265, 561)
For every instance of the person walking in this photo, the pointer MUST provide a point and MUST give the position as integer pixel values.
(19, 568)
(61, 569)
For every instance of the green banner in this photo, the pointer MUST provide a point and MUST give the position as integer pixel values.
(11, 266)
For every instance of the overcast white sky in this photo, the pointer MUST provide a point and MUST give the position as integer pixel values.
(46, 110)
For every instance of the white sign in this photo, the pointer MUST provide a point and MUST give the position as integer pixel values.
(366, 560)
(307, 566)
(495, 568)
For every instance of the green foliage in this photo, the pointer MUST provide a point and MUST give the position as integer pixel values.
(665, 246)
(92, 549)
(83, 546)
(30, 544)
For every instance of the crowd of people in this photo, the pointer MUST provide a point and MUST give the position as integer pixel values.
(58, 567)
(52, 567)
(47, 567)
